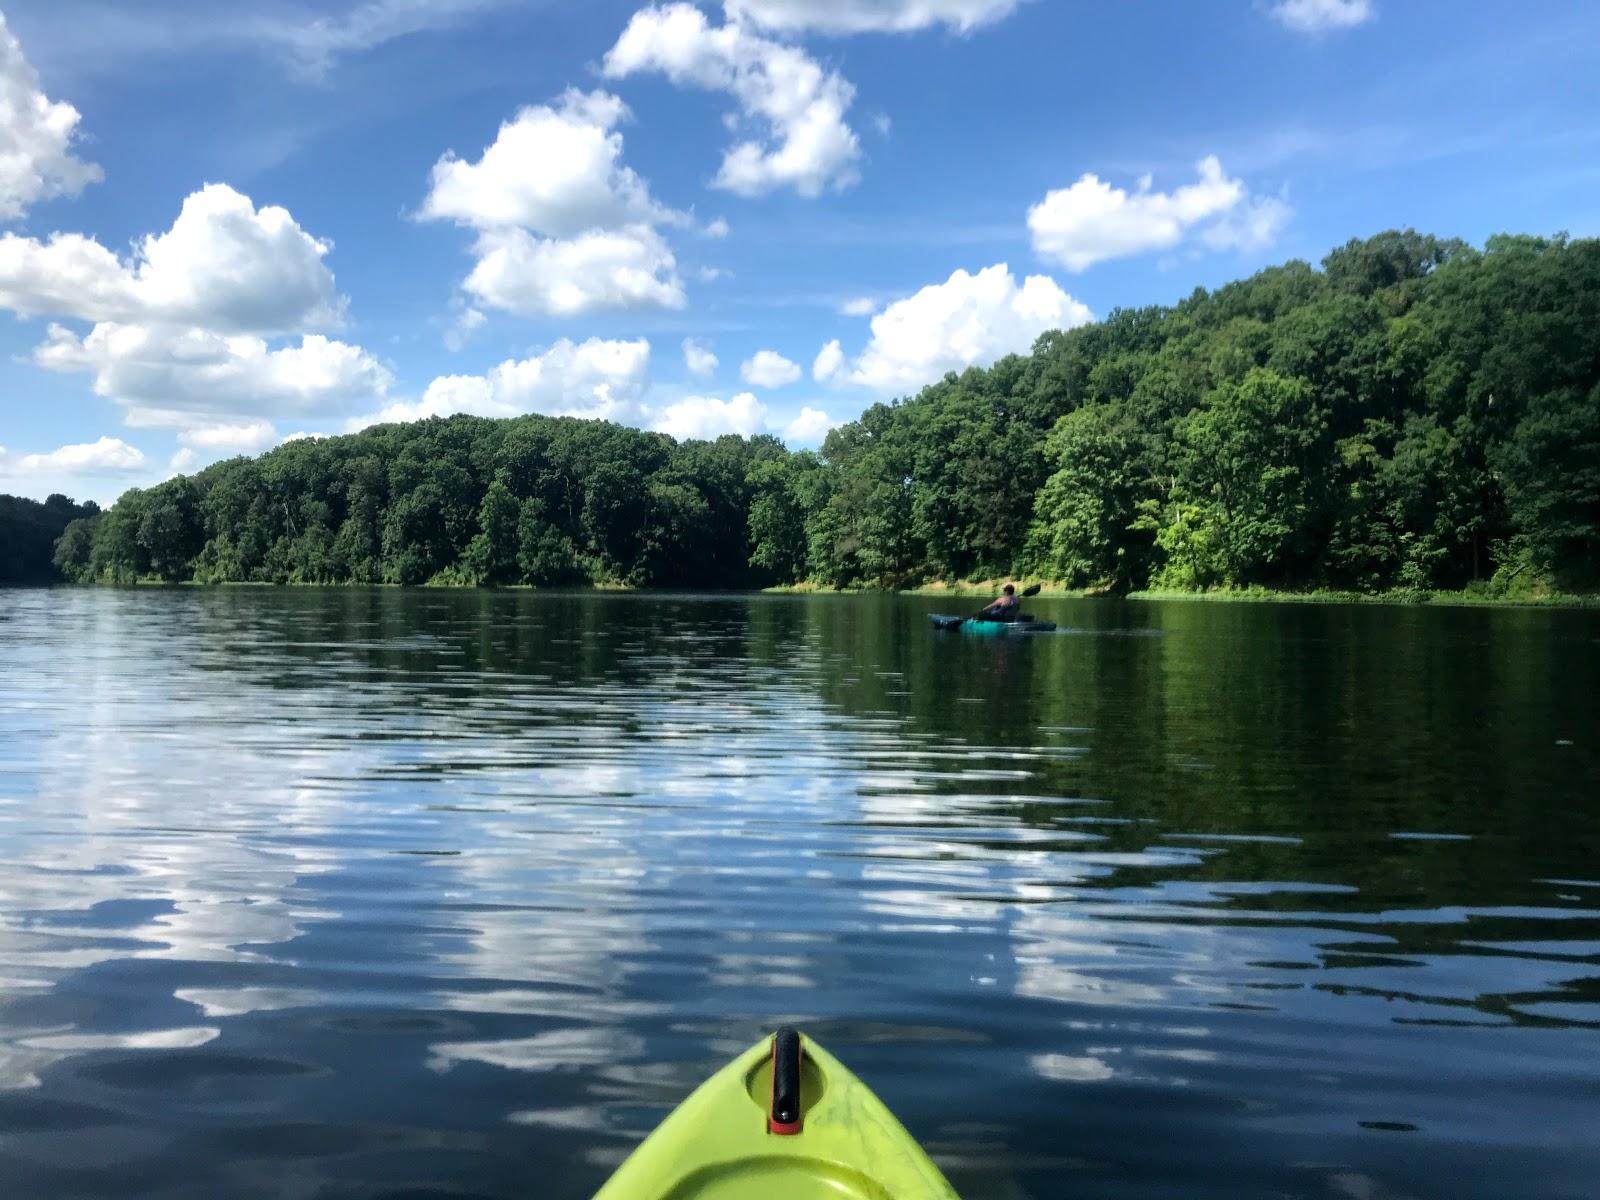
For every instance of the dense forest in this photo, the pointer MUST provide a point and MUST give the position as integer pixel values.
(1419, 414)
(29, 531)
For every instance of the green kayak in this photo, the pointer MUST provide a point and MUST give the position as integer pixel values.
(991, 628)
(783, 1121)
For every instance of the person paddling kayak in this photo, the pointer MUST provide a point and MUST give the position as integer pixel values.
(1003, 609)
(1005, 615)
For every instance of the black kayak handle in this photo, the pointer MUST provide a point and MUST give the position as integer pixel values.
(784, 1118)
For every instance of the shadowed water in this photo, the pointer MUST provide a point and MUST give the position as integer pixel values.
(333, 894)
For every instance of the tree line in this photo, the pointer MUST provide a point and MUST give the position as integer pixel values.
(29, 531)
(1417, 414)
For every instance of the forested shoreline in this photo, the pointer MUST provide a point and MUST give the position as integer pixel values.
(1416, 415)
(29, 533)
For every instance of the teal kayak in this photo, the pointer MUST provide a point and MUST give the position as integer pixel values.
(990, 628)
(785, 1120)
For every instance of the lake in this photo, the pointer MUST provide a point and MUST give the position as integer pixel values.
(346, 893)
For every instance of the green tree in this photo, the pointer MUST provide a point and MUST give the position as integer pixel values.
(1551, 468)
(119, 556)
(1388, 260)
(1249, 468)
(74, 550)
(778, 514)
(29, 534)
(491, 556)
(545, 554)
(1090, 525)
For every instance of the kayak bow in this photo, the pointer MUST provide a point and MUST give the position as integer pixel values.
(783, 1121)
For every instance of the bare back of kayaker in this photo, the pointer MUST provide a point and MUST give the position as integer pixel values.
(1003, 609)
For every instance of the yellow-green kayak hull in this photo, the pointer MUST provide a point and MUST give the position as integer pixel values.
(716, 1145)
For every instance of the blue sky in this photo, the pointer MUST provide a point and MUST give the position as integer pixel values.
(221, 225)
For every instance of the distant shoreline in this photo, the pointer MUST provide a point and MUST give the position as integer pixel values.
(1055, 591)
(963, 589)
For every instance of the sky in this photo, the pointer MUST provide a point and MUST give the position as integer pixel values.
(224, 226)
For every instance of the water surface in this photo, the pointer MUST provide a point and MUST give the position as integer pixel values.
(337, 894)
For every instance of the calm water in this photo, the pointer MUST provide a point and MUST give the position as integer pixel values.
(359, 894)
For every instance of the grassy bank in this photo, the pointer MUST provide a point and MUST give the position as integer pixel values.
(1481, 597)
(964, 588)
(1456, 599)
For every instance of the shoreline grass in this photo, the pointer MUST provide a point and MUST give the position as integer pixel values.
(1057, 591)
(1438, 599)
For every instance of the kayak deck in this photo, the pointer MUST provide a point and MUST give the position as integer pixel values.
(991, 628)
(716, 1145)
(778, 1178)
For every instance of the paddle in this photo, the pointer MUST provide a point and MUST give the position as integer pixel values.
(1031, 590)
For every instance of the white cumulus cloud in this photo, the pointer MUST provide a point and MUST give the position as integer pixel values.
(563, 227)
(176, 376)
(798, 108)
(556, 170)
(809, 428)
(36, 137)
(868, 16)
(179, 332)
(1317, 16)
(224, 266)
(239, 437)
(630, 267)
(706, 417)
(98, 470)
(596, 379)
(698, 358)
(768, 369)
(968, 320)
(828, 362)
(1092, 221)
(859, 306)
(201, 445)
(108, 455)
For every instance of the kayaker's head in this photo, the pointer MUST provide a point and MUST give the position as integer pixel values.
(1010, 589)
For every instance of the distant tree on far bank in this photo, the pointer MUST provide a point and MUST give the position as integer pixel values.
(29, 531)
